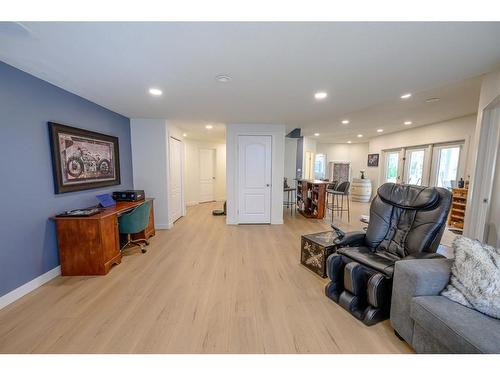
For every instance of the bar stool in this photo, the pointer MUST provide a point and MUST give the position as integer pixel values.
(330, 188)
(291, 196)
(290, 203)
(342, 190)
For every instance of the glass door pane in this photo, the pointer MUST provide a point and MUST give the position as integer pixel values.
(414, 166)
(319, 166)
(391, 166)
(447, 168)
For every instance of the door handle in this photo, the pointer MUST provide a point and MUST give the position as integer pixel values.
(267, 185)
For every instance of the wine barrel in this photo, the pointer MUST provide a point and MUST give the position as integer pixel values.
(361, 190)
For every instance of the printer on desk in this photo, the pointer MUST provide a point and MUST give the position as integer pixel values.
(129, 195)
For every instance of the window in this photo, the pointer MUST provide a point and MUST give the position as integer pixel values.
(319, 166)
(391, 169)
(447, 166)
(415, 171)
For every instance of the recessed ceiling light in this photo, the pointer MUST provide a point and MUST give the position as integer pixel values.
(155, 92)
(184, 135)
(432, 100)
(380, 130)
(406, 96)
(320, 95)
(208, 126)
(222, 78)
(360, 135)
(408, 122)
(349, 142)
(316, 134)
(345, 122)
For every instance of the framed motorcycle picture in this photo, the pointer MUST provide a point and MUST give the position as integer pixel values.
(83, 159)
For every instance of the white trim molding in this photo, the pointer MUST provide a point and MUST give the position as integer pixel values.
(24, 289)
(163, 226)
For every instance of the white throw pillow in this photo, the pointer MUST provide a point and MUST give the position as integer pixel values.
(475, 276)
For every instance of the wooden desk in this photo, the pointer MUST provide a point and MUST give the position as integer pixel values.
(91, 245)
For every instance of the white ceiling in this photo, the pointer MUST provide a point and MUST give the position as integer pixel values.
(275, 70)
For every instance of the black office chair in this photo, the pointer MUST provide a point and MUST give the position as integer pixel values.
(406, 222)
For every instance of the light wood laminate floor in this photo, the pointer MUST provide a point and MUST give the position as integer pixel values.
(202, 287)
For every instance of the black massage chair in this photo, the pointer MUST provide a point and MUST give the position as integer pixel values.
(406, 222)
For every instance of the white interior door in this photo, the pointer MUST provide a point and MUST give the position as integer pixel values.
(254, 179)
(207, 174)
(175, 173)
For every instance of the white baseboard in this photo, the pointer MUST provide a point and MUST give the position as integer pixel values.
(29, 287)
(162, 226)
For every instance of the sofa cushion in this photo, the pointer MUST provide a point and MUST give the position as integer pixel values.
(460, 329)
(475, 276)
(379, 261)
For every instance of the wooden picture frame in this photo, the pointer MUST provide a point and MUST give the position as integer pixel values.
(373, 160)
(83, 159)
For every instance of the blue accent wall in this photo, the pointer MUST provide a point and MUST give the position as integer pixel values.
(28, 245)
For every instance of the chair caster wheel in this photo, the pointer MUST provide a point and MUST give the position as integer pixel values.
(147, 243)
(144, 251)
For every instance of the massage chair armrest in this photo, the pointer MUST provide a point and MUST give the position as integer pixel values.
(351, 239)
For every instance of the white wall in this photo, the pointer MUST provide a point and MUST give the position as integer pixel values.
(174, 132)
(290, 159)
(150, 164)
(488, 98)
(277, 132)
(192, 170)
(356, 154)
(309, 146)
(462, 128)
(493, 224)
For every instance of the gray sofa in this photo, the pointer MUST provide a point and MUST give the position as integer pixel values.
(431, 323)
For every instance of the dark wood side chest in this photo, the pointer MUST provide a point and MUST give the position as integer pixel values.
(315, 248)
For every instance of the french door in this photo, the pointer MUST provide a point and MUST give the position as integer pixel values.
(416, 166)
(446, 165)
(393, 166)
(431, 165)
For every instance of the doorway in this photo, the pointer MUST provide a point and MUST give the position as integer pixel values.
(483, 215)
(175, 173)
(207, 174)
(254, 179)
(309, 165)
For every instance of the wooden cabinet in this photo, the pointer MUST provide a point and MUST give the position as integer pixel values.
(311, 196)
(457, 211)
(91, 245)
